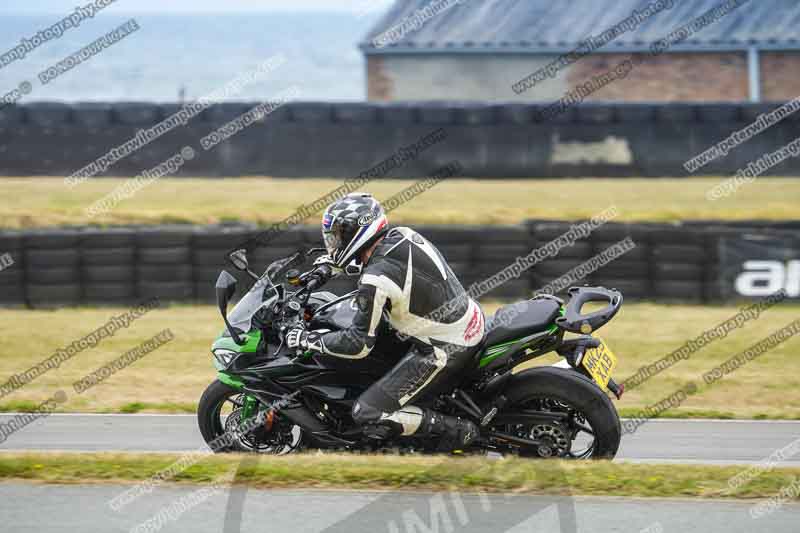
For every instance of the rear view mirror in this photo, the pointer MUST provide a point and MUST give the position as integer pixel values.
(226, 288)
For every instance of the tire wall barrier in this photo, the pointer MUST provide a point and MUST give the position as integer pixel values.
(181, 263)
(343, 139)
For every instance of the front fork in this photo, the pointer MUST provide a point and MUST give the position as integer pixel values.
(249, 408)
(250, 402)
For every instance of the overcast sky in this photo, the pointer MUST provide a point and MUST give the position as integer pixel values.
(195, 6)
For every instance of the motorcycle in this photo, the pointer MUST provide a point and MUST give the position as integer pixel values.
(267, 399)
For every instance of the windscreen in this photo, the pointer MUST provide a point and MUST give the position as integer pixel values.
(242, 313)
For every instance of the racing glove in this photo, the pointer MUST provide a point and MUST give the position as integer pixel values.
(297, 337)
(302, 341)
(325, 259)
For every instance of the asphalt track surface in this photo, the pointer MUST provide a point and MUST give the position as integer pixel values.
(658, 441)
(58, 508)
(33, 507)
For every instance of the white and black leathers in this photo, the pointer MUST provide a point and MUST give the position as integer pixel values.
(407, 280)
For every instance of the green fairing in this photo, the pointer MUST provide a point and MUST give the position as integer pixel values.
(252, 341)
(230, 381)
(493, 352)
(253, 338)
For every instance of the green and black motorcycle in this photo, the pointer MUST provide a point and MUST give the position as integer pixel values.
(267, 400)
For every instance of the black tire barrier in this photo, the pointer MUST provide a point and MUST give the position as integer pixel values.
(165, 290)
(460, 268)
(49, 114)
(679, 271)
(580, 249)
(308, 138)
(271, 253)
(109, 273)
(136, 114)
(54, 276)
(209, 274)
(13, 275)
(677, 236)
(640, 253)
(87, 266)
(109, 256)
(165, 256)
(457, 253)
(679, 290)
(556, 267)
(680, 253)
(92, 115)
(43, 259)
(164, 237)
(175, 273)
(12, 295)
(506, 253)
(108, 239)
(635, 289)
(47, 239)
(222, 239)
(10, 242)
(67, 294)
(206, 257)
(622, 268)
(116, 292)
(514, 289)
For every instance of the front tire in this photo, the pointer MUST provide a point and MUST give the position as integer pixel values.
(569, 388)
(215, 417)
(209, 410)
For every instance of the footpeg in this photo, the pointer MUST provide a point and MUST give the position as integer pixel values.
(489, 416)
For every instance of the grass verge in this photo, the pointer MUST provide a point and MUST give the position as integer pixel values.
(171, 379)
(403, 472)
(48, 202)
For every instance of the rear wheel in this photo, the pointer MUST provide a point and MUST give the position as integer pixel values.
(223, 412)
(590, 428)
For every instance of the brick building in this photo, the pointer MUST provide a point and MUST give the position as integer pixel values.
(501, 50)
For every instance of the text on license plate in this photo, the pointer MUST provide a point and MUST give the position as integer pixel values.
(600, 363)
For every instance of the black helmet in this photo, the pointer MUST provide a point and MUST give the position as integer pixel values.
(351, 225)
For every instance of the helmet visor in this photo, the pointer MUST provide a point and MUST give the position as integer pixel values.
(333, 240)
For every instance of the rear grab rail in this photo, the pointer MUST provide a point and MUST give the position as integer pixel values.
(576, 322)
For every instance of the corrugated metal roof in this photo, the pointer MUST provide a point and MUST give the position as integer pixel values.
(548, 26)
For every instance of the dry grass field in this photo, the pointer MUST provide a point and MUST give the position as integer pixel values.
(48, 202)
(172, 378)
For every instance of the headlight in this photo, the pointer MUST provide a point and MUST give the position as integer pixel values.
(224, 357)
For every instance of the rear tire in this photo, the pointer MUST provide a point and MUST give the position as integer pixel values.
(576, 390)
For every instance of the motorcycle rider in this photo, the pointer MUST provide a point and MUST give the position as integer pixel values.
(404, 277)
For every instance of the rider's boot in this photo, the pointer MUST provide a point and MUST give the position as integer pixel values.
(455, 434)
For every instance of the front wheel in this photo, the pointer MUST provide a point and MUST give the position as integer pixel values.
(223, 411)
(589, 427)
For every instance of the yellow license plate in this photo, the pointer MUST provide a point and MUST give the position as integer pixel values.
(600, 363)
